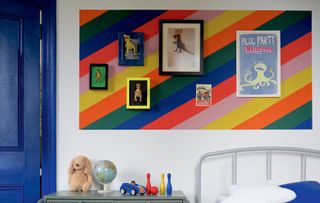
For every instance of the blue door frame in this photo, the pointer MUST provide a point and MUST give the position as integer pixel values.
(49, 96)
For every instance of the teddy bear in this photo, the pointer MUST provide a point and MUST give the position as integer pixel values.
(80, 174)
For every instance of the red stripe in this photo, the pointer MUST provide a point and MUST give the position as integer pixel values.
(295, 48)
(190, 109)
(150, 29)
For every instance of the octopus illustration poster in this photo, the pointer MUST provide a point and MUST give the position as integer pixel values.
(258, 64)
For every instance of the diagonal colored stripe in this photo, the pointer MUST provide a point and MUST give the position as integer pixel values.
(304, 27)
(278, 110)
(103, 22)
(294, 118)
(88, 15)
(219, 23)
(110, 34)
(231, 102)
(307, 124)
(212, 61)
(228, 35)
(294, 49)
(205, 15)
(257, 105)
(188, 109)
(110, 51)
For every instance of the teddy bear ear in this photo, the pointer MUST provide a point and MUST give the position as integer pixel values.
(71, 168)
(87, 166)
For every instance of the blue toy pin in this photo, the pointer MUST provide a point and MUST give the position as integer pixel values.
(169, 186)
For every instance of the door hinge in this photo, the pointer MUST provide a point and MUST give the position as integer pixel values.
(40, 23)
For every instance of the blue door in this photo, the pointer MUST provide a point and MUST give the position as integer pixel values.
(19, 102)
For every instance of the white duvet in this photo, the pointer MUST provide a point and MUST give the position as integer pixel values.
(258, 192)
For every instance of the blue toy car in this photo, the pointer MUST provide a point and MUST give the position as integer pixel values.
(132, 188)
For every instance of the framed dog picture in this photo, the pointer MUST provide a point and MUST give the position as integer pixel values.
(98, 76)
(181, 47)
(131, 48)
(138, 93)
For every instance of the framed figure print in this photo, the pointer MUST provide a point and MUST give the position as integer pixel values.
(131, 48)
(258, 64)
(98, 76)
(203, 94)
(181, 47)
(138, 93)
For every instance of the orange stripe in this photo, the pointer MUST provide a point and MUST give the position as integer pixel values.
(115, 101)
(292, 50)
(279, 109)
(88, 15)
(228, 35)
(189, 109)
(110, 51)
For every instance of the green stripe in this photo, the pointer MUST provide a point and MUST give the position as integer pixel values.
(284, 20)
(102, 22)
(294, 118)
(174, 84)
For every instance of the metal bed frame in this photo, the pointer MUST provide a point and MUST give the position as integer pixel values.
(234, 153)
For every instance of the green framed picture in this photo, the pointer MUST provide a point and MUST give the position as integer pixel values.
(138, 93)
(99, 76)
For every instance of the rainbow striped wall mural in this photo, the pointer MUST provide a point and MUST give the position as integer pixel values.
(173, 98)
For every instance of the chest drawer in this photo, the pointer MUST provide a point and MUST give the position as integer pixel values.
(62, 201)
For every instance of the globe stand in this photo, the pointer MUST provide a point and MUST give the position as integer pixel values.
(106, 189)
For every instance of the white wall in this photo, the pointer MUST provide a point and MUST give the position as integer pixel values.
(160, 151)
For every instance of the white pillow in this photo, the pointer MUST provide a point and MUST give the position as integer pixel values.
(259, 192)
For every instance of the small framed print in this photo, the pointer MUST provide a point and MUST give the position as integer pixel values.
(203, 94)
(131, 48)
(181, 47)
(258, 64)
(98, 76)
(138, 93)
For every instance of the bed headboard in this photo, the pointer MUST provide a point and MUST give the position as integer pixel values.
(234, 153)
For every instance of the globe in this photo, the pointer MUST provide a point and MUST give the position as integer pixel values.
(104, 173)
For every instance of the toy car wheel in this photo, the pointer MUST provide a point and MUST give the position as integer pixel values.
(133, 192)
(123, 191)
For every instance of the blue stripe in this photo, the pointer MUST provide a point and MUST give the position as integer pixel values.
(110, 34)
(215, 77)
(305, 125)
(179, 98)
(295, 31)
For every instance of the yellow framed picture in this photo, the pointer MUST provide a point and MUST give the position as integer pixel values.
(138, 93)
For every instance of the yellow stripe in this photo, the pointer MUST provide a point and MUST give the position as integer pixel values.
(223, 21)
(257, 105)
(118, 82)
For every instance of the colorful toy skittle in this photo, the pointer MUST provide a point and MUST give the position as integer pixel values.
(148, 185)
(162, 185)
(169, 186)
